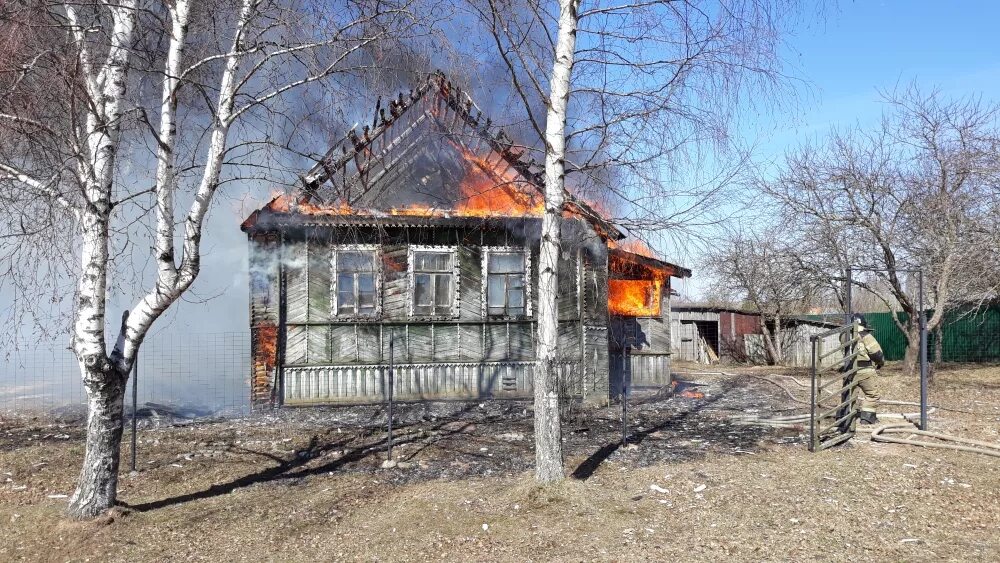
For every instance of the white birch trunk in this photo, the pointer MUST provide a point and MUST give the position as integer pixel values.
(548, 429)
(103, 381)
(102, 61)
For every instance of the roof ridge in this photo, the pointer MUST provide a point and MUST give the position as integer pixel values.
(456, 100)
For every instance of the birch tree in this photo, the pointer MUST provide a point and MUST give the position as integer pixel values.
(81, 124)
(630, 90)
(548, 428)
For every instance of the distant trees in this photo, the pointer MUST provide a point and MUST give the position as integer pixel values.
(762, 272)
(917, 190)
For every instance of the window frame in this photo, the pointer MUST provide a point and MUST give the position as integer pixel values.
(335, 252)
(526, 252)
(414, 249)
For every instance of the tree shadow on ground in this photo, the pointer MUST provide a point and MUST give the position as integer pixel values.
(451, 445)
(296, 466)
(589, 465)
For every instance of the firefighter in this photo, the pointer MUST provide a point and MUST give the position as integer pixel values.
(870, 358)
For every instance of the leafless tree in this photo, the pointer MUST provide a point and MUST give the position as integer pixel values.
(918, 190)
(119, 116)
(631, 90)
(762, 272)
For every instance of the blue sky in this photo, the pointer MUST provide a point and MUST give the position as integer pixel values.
(842, 59)
(856, 49)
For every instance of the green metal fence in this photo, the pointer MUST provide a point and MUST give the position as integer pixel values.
(967, 335)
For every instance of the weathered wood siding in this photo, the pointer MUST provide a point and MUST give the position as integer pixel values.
(483, 357)
(362, 384)
(641, 349)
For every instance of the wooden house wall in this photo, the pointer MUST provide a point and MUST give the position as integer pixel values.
(641, 350)
(315, 337)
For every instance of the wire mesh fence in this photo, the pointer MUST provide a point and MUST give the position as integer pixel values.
(198, 373)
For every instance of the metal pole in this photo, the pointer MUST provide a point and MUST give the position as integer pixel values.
(624, 398)
(812, 401)
(135, 400)
(392, 338)
(848, 305)
(923, 351)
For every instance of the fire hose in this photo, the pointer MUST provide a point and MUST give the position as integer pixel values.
(882, 434)
(885, 433)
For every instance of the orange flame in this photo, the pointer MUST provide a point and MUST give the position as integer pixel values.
(266, 352)
(495, 189)
(489, 188)
(684, 390)
(635, 246)
(287, 203)
(634, 298)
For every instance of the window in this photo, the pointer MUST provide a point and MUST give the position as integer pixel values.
(433, 282)
(355, 282)
(506, 289)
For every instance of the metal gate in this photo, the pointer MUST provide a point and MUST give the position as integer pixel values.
(834, 408)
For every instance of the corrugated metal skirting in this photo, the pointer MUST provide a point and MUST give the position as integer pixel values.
(641, 371)
(361, 384)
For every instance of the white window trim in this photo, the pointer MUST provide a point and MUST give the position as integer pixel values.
(335, 251)
(455, 281)
(528, 278)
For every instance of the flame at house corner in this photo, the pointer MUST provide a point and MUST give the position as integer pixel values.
(635, 298)
(638, 279)
(266, 349)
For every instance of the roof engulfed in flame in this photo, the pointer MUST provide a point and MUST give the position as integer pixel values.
(635, 246)
(485, 190)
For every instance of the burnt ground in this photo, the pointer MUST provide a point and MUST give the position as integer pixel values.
(308, 484)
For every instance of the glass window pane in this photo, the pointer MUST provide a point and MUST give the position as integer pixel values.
(442, 295)
(366, 303)
(422, 290)
(515, 296)
(356, 261)
(495, 291)
(345, 287)
(366, 283)
(515, 311)
(502, 263)
(366, 294)
(420, 262)
(345, 293)
(432, 261)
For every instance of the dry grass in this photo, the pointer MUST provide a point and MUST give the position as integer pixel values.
(242, 492)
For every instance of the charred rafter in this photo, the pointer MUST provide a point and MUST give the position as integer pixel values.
(362, 159)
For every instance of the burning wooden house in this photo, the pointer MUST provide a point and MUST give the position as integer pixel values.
(413, 244)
